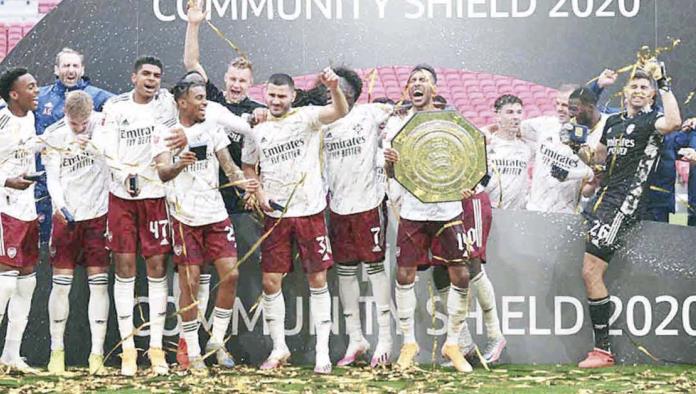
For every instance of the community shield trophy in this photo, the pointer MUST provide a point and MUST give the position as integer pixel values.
(441, 154)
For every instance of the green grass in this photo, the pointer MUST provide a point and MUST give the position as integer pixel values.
(503, 378)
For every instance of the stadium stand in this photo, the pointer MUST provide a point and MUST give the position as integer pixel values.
(471, 93)
(18, 17)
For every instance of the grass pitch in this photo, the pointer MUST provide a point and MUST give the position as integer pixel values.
(362, 379)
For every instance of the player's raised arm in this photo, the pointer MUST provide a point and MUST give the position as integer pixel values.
(339, 105)
(192, 55)
(234, 173)
(168, 169)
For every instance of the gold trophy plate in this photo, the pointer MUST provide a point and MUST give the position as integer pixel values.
(441, 154)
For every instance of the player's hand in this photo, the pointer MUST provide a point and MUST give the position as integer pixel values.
(259, 115)
(18, 183)
(689, 124)
(467, 194)
(177, 139)
(391, 155)
(195, 13)
(329, 79)
(607, 78)
(68, 217)
(559, 173)
(250, 202)
(186, 158)
(250, 186)
(82, 140)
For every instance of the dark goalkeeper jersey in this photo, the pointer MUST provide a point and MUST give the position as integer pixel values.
(633, 145)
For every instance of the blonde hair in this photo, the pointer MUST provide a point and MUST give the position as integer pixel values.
(242, 63)
(78, 105)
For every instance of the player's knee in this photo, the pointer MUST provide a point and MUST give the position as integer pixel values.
(230, 277)
(459, 275)
(405, 275)
(317, 279)
(271, 284)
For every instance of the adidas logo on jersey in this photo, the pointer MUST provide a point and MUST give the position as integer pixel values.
(263, 139)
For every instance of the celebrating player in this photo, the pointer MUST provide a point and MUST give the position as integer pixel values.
(629, 146)
(356, 227)
(137, 217)
(77, 180)
(201, 230)
(19, 247)
(508, 156)
(287, 147)
(419, 226)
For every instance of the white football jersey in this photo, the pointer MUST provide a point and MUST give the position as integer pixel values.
(77, 179)
(411, 207)
(354, 159)
(507, 165)
(18, 145)
(548, 194)
(126, 141)
(193, 197)
(288, 150)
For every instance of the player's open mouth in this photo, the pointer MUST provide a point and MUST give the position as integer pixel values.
(418, 94)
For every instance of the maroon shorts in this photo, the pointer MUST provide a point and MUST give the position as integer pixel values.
(357, 237)
(477, 217)
(19, 245)
(195, 245)
(84, 244)
(310, 235)
(138, 222)
(444, 239)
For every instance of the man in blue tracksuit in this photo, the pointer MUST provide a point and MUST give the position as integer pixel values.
(69, 70)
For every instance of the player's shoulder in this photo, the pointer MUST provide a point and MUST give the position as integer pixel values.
(164, 95)
(56, 127)
(5, 117)
(118, 100)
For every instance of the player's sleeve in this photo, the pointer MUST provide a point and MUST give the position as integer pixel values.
(229, 121)
(311, 117)
(220, 139)
(51, 160)
(529, 131)
(380, 112)
(607, 126)
(159, 145)
(250, 152)
(212, 93)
